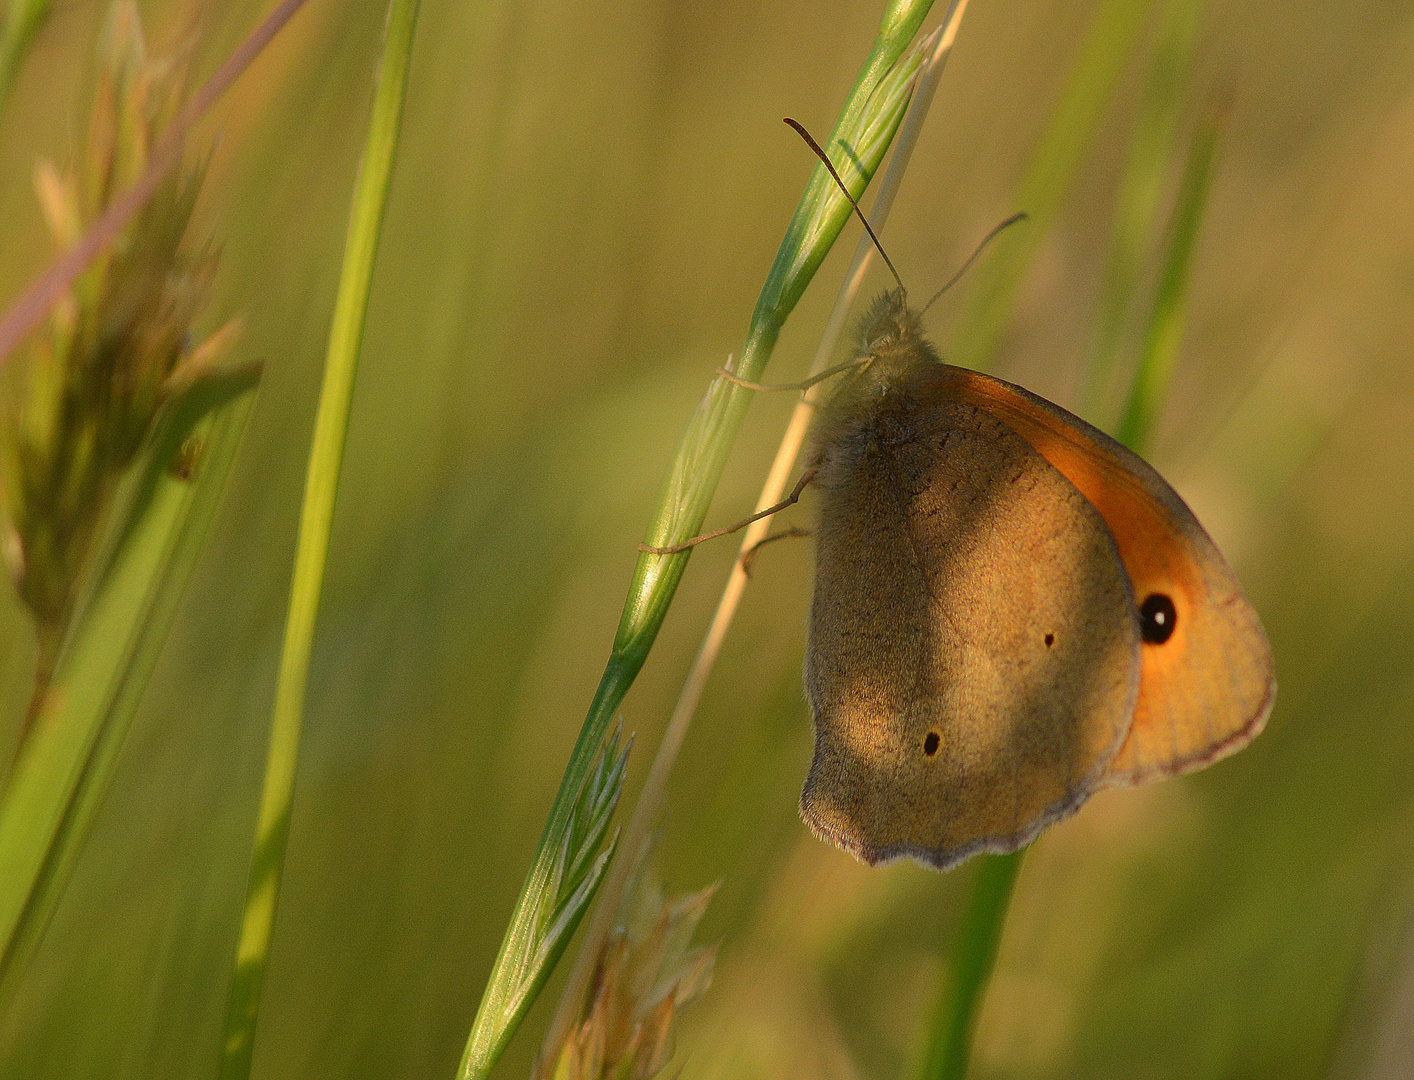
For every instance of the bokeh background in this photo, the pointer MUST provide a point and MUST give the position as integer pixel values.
(587, 199)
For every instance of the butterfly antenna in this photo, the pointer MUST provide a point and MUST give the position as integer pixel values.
(800, 130)
(975, 255)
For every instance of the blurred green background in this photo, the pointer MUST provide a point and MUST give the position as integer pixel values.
(586, 202)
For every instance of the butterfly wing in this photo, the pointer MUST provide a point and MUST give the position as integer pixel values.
(1206, 682)
(972, 662)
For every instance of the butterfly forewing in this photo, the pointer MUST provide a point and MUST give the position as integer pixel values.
(973, 657)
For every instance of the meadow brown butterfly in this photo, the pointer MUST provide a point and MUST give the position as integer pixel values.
(1011, 611)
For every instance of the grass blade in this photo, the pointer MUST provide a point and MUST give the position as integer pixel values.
(1109, 42)
(974, 953)
(321, 485)
(1139, 203)
(61, 778)
(864, 131)
(1166, 320)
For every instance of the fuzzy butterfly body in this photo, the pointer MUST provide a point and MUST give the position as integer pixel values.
(1011, 612)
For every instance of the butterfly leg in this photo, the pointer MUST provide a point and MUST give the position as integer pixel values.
(749, 555)
(789, 500)
(806, 385)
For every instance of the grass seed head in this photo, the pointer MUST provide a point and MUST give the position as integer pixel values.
(96, 377)
(646, 972)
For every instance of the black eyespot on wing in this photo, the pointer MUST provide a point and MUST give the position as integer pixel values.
(1050, 640)
(1157, 619)
(931, 742)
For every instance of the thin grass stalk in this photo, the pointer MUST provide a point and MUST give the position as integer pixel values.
(1139, 203)
(650, 799)
(33, 304)
(23, 18)
(865, 129)
(973, 956)
(316, 515)
(1108, 43)
(1166, 322)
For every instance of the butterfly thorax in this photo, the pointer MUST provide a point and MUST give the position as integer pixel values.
(897, 362)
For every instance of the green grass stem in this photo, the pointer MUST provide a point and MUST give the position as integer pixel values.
(316, 514)
(104, 664)
(857, 144)
(1166, 321)
(973, 956)
(1139, 202)
(1107, 46)
(650, 799)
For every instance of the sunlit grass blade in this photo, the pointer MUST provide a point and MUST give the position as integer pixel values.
(1166, 321)
(1108, 44)
(1139, 201)
(316, 514)
(857, 146)
(858, 143)
(21, 23)
(110, 651)
(555, 903)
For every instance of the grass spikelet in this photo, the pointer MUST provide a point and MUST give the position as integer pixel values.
(95, 383)
(646, 972)
(556, 904)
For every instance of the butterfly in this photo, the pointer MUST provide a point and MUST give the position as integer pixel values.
(1011, 612)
